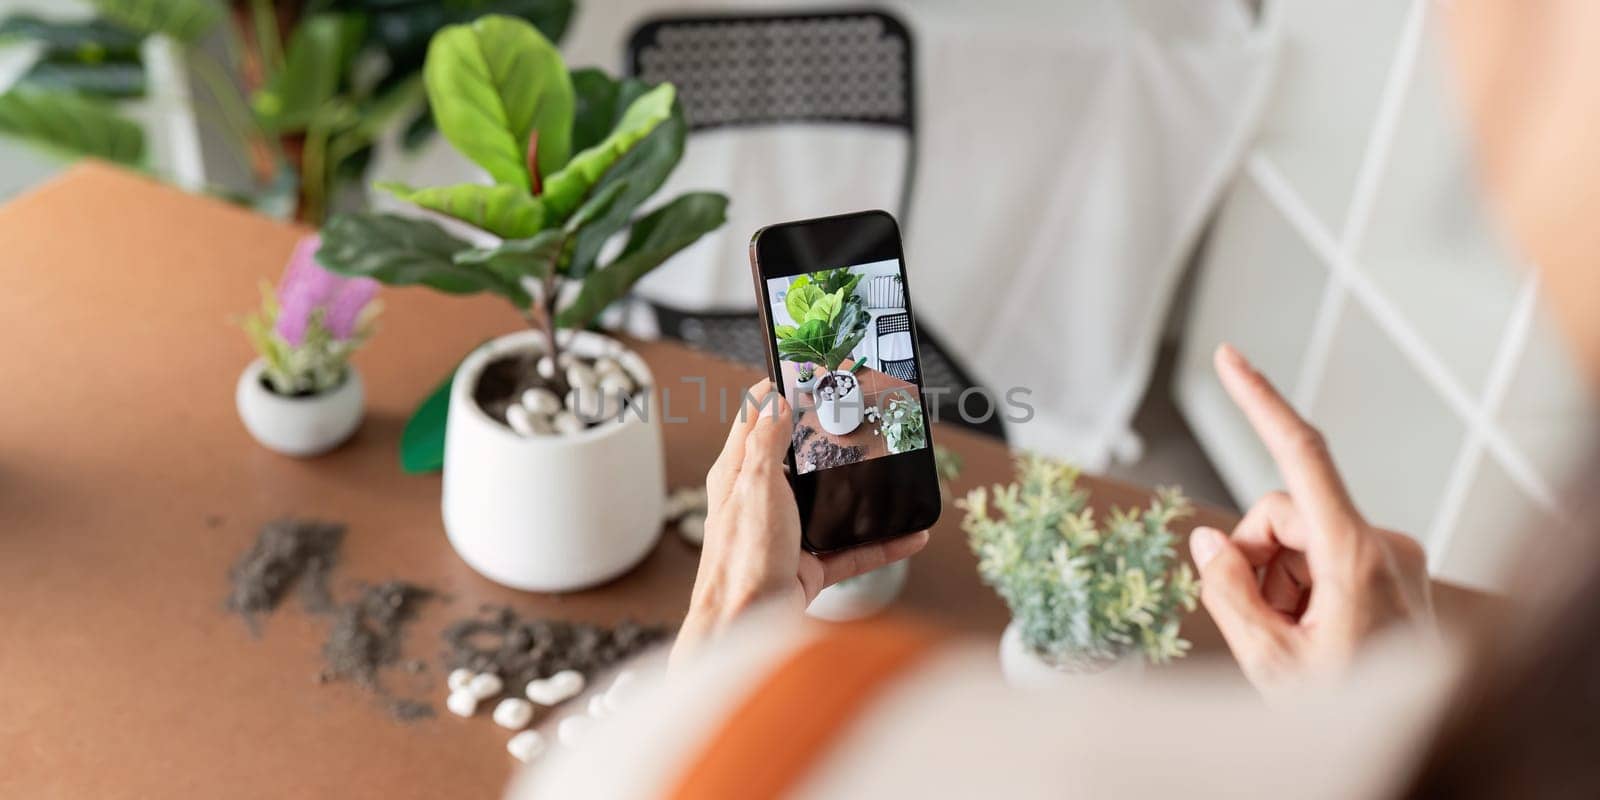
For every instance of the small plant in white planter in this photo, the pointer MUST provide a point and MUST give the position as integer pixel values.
(805, 376)
(830, 321)
(301, 396)
(1083, 597)
(553, 471)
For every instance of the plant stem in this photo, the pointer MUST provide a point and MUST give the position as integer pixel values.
(268, 43)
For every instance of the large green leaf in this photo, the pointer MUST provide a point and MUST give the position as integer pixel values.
(505, 211)
(71, 125)
(565, 190)
(653, 239)
(90, 41)
(799, 299)
(422, 441)
(402, 252)
(595, 108)
(514, 260)
(494, 82)
(184, 20)
(644, 168)
(319, 52)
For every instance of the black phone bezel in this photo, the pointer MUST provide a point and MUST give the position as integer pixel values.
(803, 246)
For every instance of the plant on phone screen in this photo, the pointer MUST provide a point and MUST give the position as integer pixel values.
(829, 323)
(805, 371)
(572, 156)
(902, 425)
(1084, 593)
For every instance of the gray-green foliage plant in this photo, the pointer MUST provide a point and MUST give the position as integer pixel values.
(1084, 592)
(902, 424)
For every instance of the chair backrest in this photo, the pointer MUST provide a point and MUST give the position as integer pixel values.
(755, 69)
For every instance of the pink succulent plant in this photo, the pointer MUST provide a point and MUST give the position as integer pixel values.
(307, 288)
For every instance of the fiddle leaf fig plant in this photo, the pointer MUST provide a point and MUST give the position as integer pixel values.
(1084, 592)
(573, 157)
(830, 320)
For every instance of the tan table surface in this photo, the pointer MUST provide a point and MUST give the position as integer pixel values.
(128, 486)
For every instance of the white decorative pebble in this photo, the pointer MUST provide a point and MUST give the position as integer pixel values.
(573, 728)
(684, 501)
(540, 400)
(513, 713)
(462, 703)
(580, 374)
(526, 746)
(567, 359)
(485, 685)
(546, 367)
(459, 678)
(608, 366)
(555, 689)
(520, 420)
(617, 383)
(692, 528)
(567, 423)
(598, 707)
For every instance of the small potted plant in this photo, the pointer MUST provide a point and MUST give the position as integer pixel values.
(553, 473)
(830, 320)
(902, 424)
(301, 396)
(1084, 597)
(805, 376)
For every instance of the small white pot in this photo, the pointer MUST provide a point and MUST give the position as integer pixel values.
(861, 596)
(806, 385)
(299, 426)
(551, 513)
(842, 414)
(1024, 669)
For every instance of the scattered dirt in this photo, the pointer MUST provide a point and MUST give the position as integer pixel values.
(521, 650)
(367, 636)
(286, 551)
(814, 452)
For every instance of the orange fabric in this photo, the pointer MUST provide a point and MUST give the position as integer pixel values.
(794, 716)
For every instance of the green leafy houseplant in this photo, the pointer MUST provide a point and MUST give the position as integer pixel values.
(326, 78)
(830, 320)
(1084, 594)
(902, 424)
(573, 156)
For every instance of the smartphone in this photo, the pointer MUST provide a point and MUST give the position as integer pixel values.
(842, 344)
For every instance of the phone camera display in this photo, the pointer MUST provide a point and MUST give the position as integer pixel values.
(848, 364)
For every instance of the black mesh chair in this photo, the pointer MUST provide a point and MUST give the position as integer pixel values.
(852, 67)
(889, 325)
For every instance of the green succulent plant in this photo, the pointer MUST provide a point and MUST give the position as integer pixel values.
(1084, 593)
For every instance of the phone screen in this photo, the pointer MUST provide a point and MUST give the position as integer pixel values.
(854, 320)
(843, 346)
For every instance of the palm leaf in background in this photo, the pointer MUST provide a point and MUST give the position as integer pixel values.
(71, 125)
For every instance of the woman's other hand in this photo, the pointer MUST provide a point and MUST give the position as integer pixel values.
(752, 549)
(1304, 580)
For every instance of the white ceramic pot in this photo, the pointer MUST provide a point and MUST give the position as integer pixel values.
(1024, 669)
(841, 414)
(861, 596)
(551, 513)
(299, 426)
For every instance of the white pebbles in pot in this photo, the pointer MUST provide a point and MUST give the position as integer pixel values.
(540, 400)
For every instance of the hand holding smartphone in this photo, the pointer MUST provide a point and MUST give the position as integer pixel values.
(833, 295)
